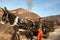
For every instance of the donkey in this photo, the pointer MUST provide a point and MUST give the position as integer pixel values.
(15, 22)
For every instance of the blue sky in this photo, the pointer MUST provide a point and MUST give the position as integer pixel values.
(41, 7)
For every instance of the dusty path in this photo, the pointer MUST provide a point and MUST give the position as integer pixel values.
(54, 35)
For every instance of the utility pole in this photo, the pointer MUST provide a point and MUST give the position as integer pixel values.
(29, 5)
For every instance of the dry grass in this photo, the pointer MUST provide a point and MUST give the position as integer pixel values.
(4, 36)
(6, 32)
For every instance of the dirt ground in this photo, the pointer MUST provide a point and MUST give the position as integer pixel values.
(6, 34)
(52, 36)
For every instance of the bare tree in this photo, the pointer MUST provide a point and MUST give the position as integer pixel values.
(29, 5)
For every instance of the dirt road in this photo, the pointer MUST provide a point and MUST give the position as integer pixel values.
(54, 35)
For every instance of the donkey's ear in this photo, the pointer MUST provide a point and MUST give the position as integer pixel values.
(5, 9)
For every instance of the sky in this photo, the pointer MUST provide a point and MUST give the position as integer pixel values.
(41, 7)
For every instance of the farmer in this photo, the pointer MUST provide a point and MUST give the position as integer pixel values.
(40, 32)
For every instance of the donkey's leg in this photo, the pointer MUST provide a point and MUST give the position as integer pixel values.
(14, 36)
(18, 35)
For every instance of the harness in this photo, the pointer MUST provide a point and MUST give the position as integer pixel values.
(18, 23)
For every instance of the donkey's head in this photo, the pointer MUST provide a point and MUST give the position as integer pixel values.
(5, 16)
